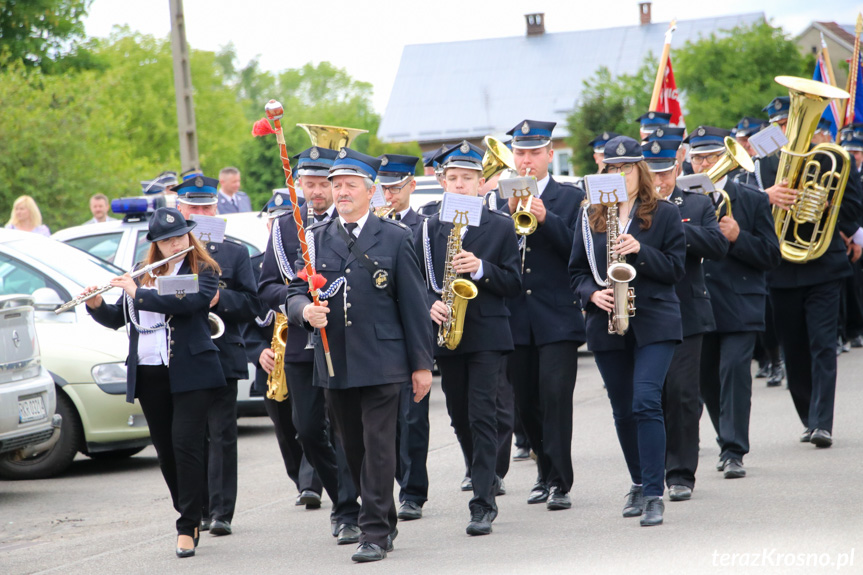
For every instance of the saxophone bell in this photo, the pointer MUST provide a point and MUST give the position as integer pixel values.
(619, 274)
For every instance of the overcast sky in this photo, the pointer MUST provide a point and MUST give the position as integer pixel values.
(366, 37)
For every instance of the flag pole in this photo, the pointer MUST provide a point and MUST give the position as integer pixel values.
(853, 70)
(663, 62)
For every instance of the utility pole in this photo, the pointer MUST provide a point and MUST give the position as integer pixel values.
(183, 88)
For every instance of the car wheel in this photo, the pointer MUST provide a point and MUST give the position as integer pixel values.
(116, 453)
(56, 459)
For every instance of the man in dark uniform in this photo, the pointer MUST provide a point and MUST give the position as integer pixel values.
(598, 145)
(396, 177)
(650, 121)
(681, 406)
(737, 289)
(236, 303)
(546, 323)
(378, 335)
(324, 452)
(470, 373)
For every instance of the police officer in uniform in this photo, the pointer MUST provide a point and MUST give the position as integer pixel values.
(681, 406)
(546, 323)
(378, 335)
(738, 290)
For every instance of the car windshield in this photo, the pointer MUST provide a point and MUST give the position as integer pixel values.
(73, 263)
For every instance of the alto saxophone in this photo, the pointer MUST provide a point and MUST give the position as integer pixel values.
(456, 291)
(618, 276)
(277, 385)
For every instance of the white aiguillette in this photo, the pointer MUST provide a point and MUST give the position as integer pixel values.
(605, 189)
(461, 210)
(767, 141)
(696, 183)
(378, 199)
(517, 187)
(179, 286)
(209, 228)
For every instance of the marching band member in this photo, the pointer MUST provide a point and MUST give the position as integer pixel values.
(681, 406)
(634, 366)
(650, 121)
(173, 367)
(378, 334)
(546, 323)
(737, 294)
(598, 145)
(470, 374)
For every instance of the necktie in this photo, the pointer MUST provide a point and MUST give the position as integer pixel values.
(398, 217)
(320, 217)
(351, 227)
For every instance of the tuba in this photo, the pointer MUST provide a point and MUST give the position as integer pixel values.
(331, 137)
(217, 326)
(498, 158)
(277, 385)
(805, 230)
(734, 157)
(618, 276)
(456, 291)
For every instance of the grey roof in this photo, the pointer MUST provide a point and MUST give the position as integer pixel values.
(456, 90)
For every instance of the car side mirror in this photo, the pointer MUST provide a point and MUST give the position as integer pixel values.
(46, 299)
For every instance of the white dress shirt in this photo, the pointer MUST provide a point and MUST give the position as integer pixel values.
(153, 347)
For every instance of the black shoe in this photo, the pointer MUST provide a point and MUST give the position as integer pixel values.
(557, 499)
(720, 465)
(334, 526)
(857, 341)
(679, 493)
(183, 553)
(368, 552)
(501, 489)
(409, 510)
(348, 534)
(763, 370)
(734, 469)
(539, 493)
(390, 538)
(777, 374)
(521, 454)
(310, 499)
(205, 523)
(842, 346)
(467, 484)
(821, 438)
(654, 507)
(480, 522)
(806, 436)
(299, 500)
(634, 505)
(218, 527)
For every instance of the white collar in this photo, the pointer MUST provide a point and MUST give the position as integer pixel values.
(404, 213)
(541, 184)
(360, 223)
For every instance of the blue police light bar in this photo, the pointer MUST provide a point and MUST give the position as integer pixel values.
(131, 205)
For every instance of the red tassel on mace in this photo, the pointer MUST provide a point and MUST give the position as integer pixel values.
(262, 128)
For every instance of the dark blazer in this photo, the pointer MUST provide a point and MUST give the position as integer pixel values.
(414, 221)
(226, 207)
(238, 304)
(486, 321)
(545, 305)
(834, 264)
(374, 339)
(703, 240)
(255, 337)
(193, 357)
(659, 265)
(737, 284)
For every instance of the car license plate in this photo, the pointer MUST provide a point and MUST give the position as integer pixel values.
(31, 409)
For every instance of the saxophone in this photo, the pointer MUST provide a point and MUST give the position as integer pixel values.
(618, 275)
(277, 385)
(456, 291)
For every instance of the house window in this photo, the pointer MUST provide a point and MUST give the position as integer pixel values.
(562, 163)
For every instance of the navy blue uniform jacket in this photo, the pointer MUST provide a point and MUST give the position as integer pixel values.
(545, 306)
(374, 339)
(486, 321)
(193, 357)
(659, 265)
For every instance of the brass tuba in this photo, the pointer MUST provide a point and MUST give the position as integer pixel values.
(498, 158)
(735, 156)
(331, 137)
(805, 230)
(277, 385)
(217, 326)
(618, 276)
(456, 291)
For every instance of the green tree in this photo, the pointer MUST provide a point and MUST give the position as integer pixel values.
(37, 33)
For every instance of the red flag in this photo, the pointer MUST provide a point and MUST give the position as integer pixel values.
(669, 98)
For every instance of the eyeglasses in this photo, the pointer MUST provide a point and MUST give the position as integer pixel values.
(708, 158)
(397, 189)
(619, 168)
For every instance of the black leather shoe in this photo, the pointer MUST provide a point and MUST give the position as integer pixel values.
(720, 465)
(334, 526)
(777, 375)
(654, 507)
(557, 499)
(480, 522)
(679, 493)
(368, 552)
(821, 438)
(857, 341)
(734, 469)
(218, 527)
(182, 553)
(763, 370)
(521, 454)
(467, 484)
(348, 534)
(501, 489)
(205, 523)
(634, 505)
(310, 499)
(806, 436)
(409, 510)
(539, 493)
(390, 538)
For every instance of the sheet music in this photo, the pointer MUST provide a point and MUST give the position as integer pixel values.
(606, 188)
(768, 141)
(209, 228)
(378, 199)
(696, 183)
(457, 208)
(517, 187)
(180, 286)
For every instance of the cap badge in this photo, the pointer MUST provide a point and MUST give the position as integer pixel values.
(778, 105)
(701, 131)
(659, 132)
(745, 123)
(621, 149)
(343, 153)
(605, 136)
(464, 148)
(385, 161)
(169, 218)
(279, 201)
(314, 154)
(199, 182)
(651, 115)
(655, 148)
(525, 128)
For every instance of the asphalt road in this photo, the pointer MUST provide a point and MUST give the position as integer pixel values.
(798, 510)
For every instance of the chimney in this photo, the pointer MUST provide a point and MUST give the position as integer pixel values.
(644, 13)
(535, 24)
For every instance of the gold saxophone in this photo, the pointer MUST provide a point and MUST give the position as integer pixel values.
(456, 291)
(618, 276)
(277, 385)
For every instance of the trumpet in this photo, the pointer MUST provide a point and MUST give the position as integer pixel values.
(385, 211)
(525, 222)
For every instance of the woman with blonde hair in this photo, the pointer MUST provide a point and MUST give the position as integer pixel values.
(26, 217)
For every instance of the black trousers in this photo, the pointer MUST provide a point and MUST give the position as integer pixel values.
(505, 408)
(807, 320)
(726, 388)
(851, 304)
(767, 341)
(322, 451)
(365, 420)
(412, 447)
(681, 409)
(543, 379)
(297, 465)
(220, 455)
(178, 425)
(470, 383)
